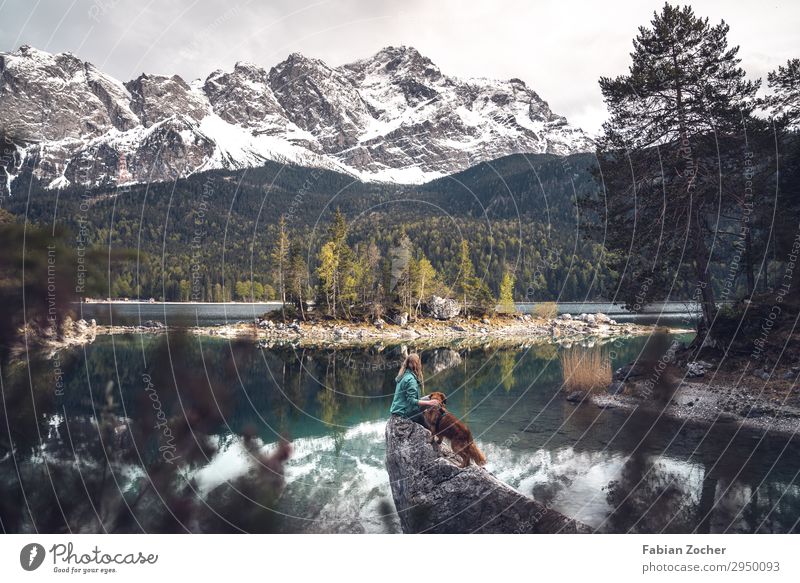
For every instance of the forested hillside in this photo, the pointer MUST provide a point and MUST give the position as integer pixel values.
(211, 237)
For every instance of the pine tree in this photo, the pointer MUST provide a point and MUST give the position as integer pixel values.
(401, 259)
(297, 279)
(784, 105)
(339, 257)
(483, 299)
(675, 120)
(784, 101)
(425, 275)
(466, 276)
(280, 256)
(327, 272)
(507, 305)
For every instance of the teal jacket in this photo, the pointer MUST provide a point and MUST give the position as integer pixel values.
(406, 396)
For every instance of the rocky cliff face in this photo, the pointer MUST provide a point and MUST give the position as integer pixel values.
(432, 494)
(393, 117)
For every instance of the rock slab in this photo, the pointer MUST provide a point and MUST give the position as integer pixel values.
(433, 495)
(444, 308)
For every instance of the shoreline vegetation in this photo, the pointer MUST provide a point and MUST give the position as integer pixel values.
(673, 383)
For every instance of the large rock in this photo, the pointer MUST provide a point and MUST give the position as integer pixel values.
(602, 319)
(432, 494)
(444, 308)
(698, 368)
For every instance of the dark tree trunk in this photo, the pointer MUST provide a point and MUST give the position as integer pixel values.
(705, 509)
(748, 262)
(701, 262)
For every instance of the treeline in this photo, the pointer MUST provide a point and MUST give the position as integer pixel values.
(211, 237)
(364, 281)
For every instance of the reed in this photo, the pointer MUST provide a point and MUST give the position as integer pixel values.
(585, 369)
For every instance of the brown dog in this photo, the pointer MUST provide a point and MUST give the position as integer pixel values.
(443, 424)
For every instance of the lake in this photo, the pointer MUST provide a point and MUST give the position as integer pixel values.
(611, 470)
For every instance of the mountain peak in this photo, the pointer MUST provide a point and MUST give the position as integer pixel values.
(402, 50)
(28, 50)
(29, 54)
(299, 60)
(247, 66)
(393, 117)
(401, 61)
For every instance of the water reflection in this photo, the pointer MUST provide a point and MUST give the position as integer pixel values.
(612, 470)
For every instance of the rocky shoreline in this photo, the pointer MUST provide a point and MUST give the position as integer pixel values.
(518, 327)
(424, 331)
(696, 392)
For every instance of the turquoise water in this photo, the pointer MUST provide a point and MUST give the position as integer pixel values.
(613, 471)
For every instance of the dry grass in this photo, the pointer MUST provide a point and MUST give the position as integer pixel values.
(585, 369)
(545, 310)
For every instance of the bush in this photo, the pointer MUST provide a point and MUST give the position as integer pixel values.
(585, 370)
(545, 310)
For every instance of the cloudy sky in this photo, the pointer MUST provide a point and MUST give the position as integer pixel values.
(559, 47)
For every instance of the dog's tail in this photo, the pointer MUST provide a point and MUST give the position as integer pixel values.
(476, 454)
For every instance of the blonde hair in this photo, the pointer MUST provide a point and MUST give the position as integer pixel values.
(413, 363)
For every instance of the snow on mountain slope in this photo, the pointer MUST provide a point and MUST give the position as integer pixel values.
(392, 117)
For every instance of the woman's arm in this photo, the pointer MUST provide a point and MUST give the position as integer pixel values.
(427, 402)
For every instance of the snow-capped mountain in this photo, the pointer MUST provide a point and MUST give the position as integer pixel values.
(393, 117)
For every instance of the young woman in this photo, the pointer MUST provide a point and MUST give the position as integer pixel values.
(407, 402)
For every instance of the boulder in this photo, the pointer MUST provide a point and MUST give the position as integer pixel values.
(616, 388)
(761, 373)
(576, 397)
(697, 368)
(444, 308)
(401, 319)
(433, 495)
(602, 319)
(565, 316)
(631, 371)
